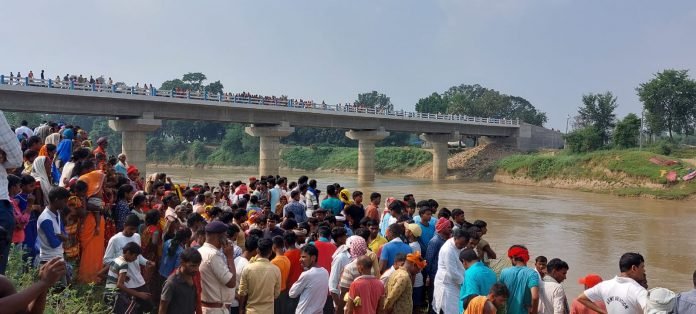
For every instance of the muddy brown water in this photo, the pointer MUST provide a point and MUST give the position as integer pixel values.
(589, 231)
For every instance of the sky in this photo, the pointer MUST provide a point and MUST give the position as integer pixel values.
(549, 52)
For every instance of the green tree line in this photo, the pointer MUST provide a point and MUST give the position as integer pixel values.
(669, 108)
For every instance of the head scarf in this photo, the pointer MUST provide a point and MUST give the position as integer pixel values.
(38, 171)
(519, 252)
(65, 147)
(442, 223)
(417, 260)
(68, 134)
(344, 196)
(357, 246)
(94, 180)
(52, 139)
(132, 169)
(242, 189)
(44, 151)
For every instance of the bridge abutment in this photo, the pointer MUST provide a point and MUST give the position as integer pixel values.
(134, 138)
(438, 142)
(269, 146)
(366, 151)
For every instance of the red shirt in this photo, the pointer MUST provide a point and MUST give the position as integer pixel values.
(295, 266)
(372, 212)
(326, 250)
(370, 290)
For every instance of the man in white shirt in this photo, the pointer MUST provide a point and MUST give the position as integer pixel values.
(449, 277)
(24, 131)
(114, 249)
(623, 294)
(553, 300)
(312, 285)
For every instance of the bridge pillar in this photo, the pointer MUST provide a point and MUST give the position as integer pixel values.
(134, 138)
(269, 146)
(366, 151)
(438, 142)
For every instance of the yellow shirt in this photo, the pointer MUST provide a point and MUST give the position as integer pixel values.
(261, 284)
(377, 243)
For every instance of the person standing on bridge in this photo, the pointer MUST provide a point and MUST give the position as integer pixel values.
(42, 75)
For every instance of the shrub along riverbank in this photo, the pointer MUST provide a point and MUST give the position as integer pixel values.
(619, 172)
(388, 159)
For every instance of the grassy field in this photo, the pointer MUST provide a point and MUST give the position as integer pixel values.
(631, 168)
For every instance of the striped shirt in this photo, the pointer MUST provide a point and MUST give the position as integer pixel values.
(118, 266)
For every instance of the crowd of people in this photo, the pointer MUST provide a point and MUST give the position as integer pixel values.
(100, 83)
(267, 245)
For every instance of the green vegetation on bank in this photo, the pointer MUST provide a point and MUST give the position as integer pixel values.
(76, 298)
(630, 170)
(389, 159)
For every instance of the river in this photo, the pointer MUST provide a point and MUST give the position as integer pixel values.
(589, 231)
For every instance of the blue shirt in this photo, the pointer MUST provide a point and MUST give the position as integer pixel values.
(519, 280)
(432, 255)
(478, 280)
(384, 224)
(169, 263)
(392, 248)
(297, 209)
(427, 232)
(332, 204)
(275, 197)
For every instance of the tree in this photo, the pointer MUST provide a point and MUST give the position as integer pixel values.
(670, 101)
(627, 131)
(598, 111)
(475, 100)
(432, 104)
(195, 80)
(375, 100)
(214, 88)
(174, 84)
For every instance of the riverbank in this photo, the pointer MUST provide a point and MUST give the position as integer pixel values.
(389, 160)
(617, 172)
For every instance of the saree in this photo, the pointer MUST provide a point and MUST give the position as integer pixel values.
(91, 244)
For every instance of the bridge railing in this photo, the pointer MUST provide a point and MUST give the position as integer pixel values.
(229, 98)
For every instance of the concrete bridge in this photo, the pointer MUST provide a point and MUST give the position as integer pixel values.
(137, 111)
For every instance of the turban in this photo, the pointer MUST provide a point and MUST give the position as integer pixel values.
(442, 223)
(357, 246)
(519, 252)
(416, 259)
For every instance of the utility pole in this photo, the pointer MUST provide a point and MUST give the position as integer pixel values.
(640, 131)
(567, 120)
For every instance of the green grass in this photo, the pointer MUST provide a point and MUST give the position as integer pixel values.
(628, 166)
(388, 159)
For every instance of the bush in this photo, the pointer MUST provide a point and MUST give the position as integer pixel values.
(584, 140)
(72, 299)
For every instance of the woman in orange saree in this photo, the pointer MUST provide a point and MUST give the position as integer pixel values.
(92, 229)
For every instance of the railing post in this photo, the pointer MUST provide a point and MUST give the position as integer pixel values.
(94, 87)
(50, 83)
(171, 93)
(72, 85)
(26, 81)
(113, 88)
(219, 96)
(205, 95)
(2, 79)
(132, 90)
